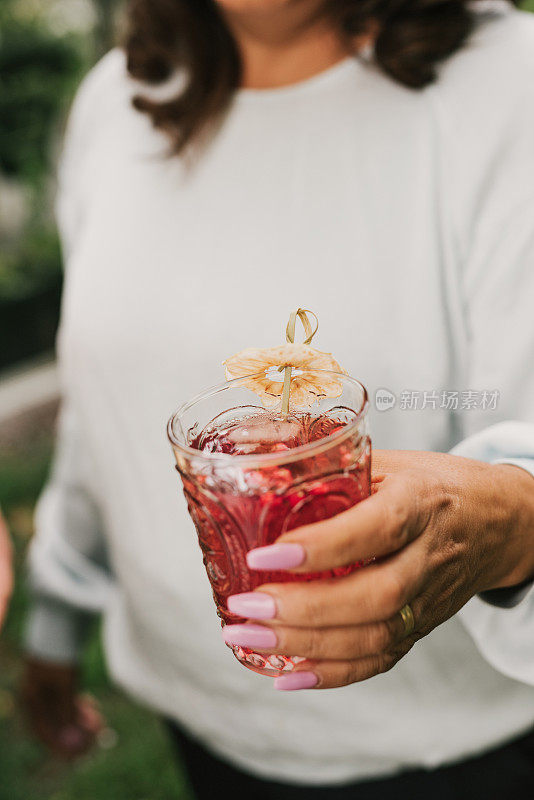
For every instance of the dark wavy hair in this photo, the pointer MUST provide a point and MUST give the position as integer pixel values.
(413, 37)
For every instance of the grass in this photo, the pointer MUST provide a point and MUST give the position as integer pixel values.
(134, 760)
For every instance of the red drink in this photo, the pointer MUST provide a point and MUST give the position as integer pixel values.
(270, 488)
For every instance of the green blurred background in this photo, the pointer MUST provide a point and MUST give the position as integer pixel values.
(45, 48)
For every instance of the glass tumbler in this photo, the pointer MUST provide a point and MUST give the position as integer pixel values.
(240, 502)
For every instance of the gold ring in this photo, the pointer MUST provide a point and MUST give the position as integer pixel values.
(408, 619)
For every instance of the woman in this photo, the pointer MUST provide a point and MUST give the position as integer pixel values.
(372, 161)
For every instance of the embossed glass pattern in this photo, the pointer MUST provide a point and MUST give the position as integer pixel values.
(239, 502)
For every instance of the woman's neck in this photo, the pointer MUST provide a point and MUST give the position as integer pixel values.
(285, 46)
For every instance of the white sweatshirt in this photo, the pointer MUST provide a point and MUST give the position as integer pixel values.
(405, 220)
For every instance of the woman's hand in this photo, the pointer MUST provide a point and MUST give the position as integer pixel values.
(442, 528)
(65, 721)
(6, 574)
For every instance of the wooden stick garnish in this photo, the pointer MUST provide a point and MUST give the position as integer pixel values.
(302, 314)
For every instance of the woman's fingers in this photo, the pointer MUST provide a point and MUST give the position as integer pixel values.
(319, 643)
(333, 674)
(371, 594)
(378, 526)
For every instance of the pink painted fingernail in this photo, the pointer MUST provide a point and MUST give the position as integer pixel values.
(256, 605)
(276, 556)
(296, 680)
(253, 636)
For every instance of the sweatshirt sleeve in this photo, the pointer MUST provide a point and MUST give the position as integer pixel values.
(487, 116)
(499, 292)
(67, 566)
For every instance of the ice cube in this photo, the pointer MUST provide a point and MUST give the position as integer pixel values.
(265, 433)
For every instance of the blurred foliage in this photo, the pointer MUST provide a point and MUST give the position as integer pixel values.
(134, 760)
(33, 263)
(38, 72)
